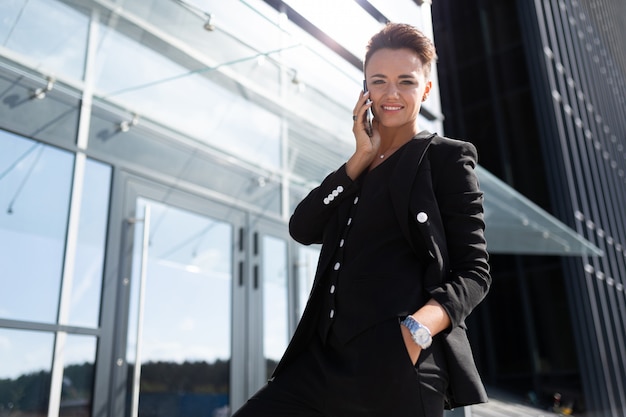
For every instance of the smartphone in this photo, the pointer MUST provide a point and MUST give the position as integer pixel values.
(368, 114)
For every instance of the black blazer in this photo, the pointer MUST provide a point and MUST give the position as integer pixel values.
(438, 205)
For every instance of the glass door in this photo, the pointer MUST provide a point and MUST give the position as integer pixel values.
(208, 307)
(269, 299)
(275, 289)
(282, 272)
(179, 342)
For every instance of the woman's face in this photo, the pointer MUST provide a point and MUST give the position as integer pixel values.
(397, 85)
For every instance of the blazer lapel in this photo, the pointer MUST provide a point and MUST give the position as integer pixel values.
(403, 177)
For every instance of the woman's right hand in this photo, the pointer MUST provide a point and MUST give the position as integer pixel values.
(366, 146)
(412, 348)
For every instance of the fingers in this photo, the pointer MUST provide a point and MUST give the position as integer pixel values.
(361, 123)
(361, 107)
(357, 107)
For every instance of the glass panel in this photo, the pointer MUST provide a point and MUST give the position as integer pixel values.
(25, 372)
(307, 264)
(275, 310)
(78, 373)
(312, 160)
(186, 100)
(430, 125)
(228, 18)
(53, 119)
(35, 182)
(340, 24)
(333, 87)
(146, 146)
(517, 225)
(185, 347)
(406, 11)
(231, 39)
(85, 302)
(57, 45)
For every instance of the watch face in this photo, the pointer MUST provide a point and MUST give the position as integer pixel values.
(422, 335)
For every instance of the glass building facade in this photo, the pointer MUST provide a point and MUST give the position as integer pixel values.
(151, 153)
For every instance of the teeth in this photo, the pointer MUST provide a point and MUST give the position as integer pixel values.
(391, 108)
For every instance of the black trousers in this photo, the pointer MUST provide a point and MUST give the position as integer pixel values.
(370, 376)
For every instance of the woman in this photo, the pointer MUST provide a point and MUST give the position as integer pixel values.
(403, 261)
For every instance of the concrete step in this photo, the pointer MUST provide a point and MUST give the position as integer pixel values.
(502, 405)
(500, 408)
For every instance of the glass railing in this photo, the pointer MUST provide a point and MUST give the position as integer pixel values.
(516, 225)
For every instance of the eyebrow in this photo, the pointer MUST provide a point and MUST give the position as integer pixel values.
(399, 76)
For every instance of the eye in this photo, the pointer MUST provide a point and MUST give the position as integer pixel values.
(379, 81)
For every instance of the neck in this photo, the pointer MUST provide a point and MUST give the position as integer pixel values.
(393, 138)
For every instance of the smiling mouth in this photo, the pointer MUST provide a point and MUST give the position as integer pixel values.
(391, 108)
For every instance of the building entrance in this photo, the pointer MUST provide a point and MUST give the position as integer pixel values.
(204, 313)
(179, 333)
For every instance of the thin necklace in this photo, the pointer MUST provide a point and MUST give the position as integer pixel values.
(390, 150)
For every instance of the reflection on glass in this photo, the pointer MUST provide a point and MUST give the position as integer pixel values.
(25, 372)
(85, 302)
(35, 182)
(185, 347)
(50, 33)
(328, 84)
(307, 264)
(79, 357)
(339, 25)
(188, 101)
(275, 311)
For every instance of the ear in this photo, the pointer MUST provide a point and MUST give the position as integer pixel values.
(429, 84)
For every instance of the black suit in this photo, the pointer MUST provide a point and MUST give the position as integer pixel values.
(438, 205)
(445, 187)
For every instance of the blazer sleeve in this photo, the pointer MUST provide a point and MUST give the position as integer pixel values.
(461, 207)
(309, 220)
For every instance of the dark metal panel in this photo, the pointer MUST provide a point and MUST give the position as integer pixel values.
(577, 133)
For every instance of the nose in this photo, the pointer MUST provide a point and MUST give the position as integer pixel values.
(392, 90)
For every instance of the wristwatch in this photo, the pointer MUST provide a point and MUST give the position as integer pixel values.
(420, 333)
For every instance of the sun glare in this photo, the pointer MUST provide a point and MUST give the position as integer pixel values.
(343, 20)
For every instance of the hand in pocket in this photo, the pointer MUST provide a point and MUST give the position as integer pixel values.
(412, 348)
